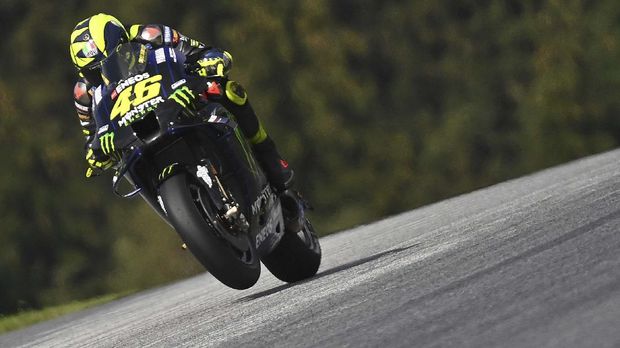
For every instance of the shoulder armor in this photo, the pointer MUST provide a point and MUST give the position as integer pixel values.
(82, 101)
(80, 94)
(149, 33)
(155, 34)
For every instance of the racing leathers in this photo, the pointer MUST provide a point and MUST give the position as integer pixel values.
(213, 63)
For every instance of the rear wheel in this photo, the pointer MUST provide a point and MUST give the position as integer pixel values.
(297, 256)
(228, 255)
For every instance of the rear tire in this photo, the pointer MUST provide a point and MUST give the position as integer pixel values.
(297, 256)
(236, 268)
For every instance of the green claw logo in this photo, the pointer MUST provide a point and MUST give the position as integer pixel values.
(183, 96)
(166, 172)
(107, 143)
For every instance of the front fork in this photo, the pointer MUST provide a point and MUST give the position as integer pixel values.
(227, 208)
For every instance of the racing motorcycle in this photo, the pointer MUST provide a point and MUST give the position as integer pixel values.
(188, 159)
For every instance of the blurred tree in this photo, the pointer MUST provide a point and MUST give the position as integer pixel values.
(571, 107)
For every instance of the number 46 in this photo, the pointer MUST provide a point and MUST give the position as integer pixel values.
(135, 95)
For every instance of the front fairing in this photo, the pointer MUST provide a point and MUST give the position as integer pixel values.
(139, 81)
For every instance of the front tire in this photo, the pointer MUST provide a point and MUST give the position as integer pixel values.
(191, 213)
(297, 256)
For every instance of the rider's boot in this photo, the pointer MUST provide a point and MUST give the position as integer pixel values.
(277, 170)
(280, 176)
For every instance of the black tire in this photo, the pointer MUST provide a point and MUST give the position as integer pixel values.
(236, 268)
(297, 256)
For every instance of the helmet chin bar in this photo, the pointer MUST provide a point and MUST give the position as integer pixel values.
(92, 75)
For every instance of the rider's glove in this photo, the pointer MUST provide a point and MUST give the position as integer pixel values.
(211, 67)
(97, 164)
(90, 172)
(215, 63)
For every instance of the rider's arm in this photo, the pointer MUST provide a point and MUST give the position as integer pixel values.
(83, 102)
(212, 61)
(159, 35)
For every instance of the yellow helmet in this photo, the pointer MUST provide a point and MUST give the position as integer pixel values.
(92, 40)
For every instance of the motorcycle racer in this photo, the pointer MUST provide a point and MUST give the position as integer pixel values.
(96, 37)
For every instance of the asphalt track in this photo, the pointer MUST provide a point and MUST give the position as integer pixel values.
(533, 262)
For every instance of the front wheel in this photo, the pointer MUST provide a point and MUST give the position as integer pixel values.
(297, 256)
(232, 259)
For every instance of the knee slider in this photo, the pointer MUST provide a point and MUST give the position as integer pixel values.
(236, 93)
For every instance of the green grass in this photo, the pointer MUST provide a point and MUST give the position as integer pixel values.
(26, 318)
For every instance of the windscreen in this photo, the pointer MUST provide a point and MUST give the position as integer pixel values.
(127, 60)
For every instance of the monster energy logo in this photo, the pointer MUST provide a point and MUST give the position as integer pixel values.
(183, 96)
(107, 143)
(166, 171)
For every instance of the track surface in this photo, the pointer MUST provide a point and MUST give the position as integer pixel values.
(533, 262)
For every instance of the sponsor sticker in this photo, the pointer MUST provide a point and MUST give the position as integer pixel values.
(139, 111)
(203, 173)
(81, 107)
(261, 200)
(136, 92)
(90, 49)
(103, 129)
(160, 56)
(167, 35)
(172, 54)
(178, 83)
(130, 81)
(142, 58)
(98, 96)
(274, 219)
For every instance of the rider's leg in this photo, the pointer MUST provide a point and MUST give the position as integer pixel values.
(234, 98)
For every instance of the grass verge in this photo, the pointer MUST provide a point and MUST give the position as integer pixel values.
(26, 318)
